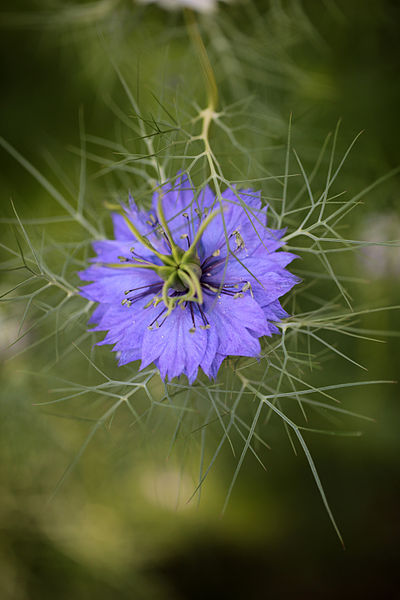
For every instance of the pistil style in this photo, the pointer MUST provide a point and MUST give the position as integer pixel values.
(180, 270)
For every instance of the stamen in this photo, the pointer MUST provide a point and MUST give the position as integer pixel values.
(203, 316)
(238, 240)
(163, 321)
(239, 246)
(192, 315)
(133, 299)
(186, 216)
(164, 235)
(159, 315)
(210, 287)
(225, 289)
(155, 300)
(247, 286)
(186, 236)
(148, 289)
(142, 287)
(205, 268)
(136, 256)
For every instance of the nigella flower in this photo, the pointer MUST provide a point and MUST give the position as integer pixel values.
(379, 258)
(190, 282)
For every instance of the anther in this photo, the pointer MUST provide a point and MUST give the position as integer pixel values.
(247, 286)
(238, 240)
(211, 288)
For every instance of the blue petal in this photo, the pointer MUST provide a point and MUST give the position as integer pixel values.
(249, 269)
(234, 218)
(98, 314)
(121, 229)
(139, 217)
(117, 320)
(175, 349)
(210, 350)
(274, 285)
(216, 364)
(237, 322)
(108, 251)
(111, 288)
(274, 311)
(268, 279)
(127, 326)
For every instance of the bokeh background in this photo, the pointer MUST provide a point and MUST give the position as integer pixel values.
(119, 526)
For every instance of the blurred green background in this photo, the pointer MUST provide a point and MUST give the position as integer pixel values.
(120, 527)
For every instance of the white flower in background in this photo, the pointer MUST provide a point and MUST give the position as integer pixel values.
(11, 341)
(204, 6)
(378, 260)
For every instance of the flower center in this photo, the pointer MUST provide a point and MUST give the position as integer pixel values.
(180, 270)
(180, 274)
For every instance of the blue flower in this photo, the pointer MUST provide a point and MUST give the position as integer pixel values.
(192, 281)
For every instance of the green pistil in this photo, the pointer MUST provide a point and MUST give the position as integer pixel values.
(180, 270)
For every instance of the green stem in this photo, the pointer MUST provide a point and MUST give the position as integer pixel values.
(211, 84)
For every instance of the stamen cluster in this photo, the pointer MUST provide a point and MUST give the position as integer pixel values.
(212, 263)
